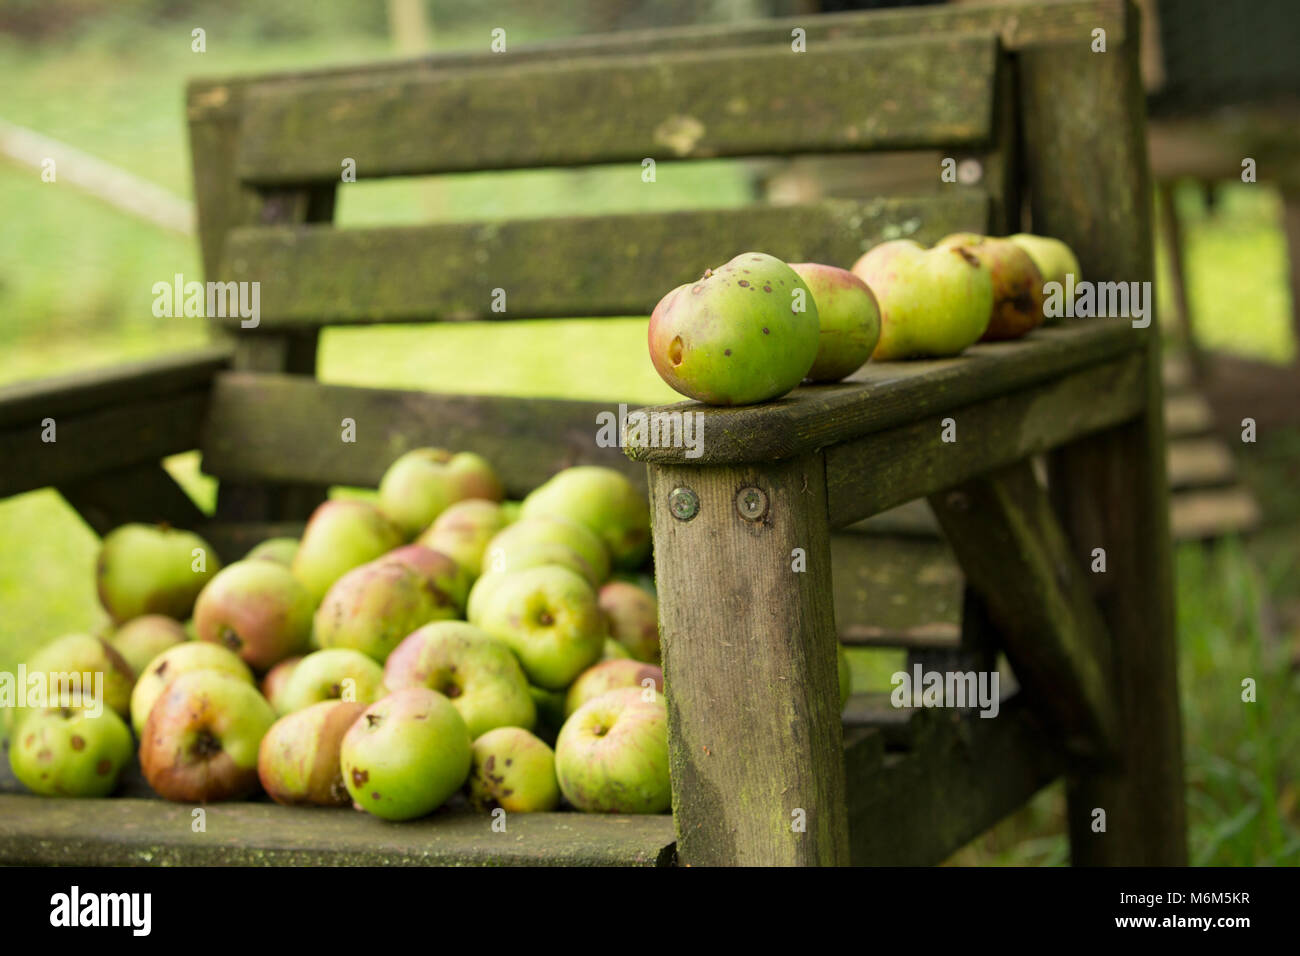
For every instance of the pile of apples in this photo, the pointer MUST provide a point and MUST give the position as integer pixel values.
(755, 328)
(438, 641)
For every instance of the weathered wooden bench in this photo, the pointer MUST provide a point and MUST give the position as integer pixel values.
(765, 768)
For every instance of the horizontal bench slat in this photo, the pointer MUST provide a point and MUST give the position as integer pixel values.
(140, 832)
(847, 95)
(288, 428)
(886, 468)
(29, 402)
(888, 394)
(579, 266)
(1017, 25)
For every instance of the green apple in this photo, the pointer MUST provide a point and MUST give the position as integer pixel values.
(371, 608)
(341, 534)
(67, 663)
(477, 673)
(933, 303)
(143, 638)
(338, 673)
(147, 569)
(201, 740)
(66, 752)
(463, 531)
(275, 681)
(425, 482)
(848, 317)
(256, 609)
(279, 550)
(612, 675)
(406, 754)
(1017, 284)
(548, 539)
(298, 761)
(632, 616)
(1055, 260)
(513, 770)
(605, 502)
(612, 754)
(745, 332)
(187, 658)
(549, 618)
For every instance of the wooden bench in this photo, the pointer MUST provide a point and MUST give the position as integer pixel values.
(765, 768)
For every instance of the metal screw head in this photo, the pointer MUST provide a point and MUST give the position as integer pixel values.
(751, 503)
(683, 503)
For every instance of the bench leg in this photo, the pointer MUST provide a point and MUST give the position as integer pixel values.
(742, 559)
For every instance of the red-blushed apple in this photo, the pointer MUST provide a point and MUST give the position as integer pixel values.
(477, 673)
(423, 483)
(256, 609)
(612, 675)
(298, 761)
(279, 550)
(276, 679)
(141, 639)
(632, 614)
(549, 618)
(338, 673)
(202, 737)
(1017, 284)
(68, 662)
(933, 302)
(1055, 260)
(67, 752)
(184, 658)
(605, 502)
(371, 608)
(743, 333)
(514, 770)
(446, 577)
(152, 569)
(406, 754)
(612, 754)
(848, 317)
(548, 539)
(341, 534)
(463, 531)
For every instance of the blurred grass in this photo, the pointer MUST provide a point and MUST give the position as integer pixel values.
(75, 280)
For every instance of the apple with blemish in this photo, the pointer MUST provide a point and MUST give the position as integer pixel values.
(1054, 259)
(67, 752)
(463, 531)
(143, 638)
(337, 673)
(548, 616)
(423, 483)
(298, 762)
(279, 550)
(848, 320)
(477, 673)
(66, 663)
(612, 675)
(256, 609)
(444, 574)
(187, 658)
(743, 333)
(933, 302)
(632, 614)
(1017, 285)
(406, 754)
(341, 535)
(612, 755)
(512, 769)
(201, 741)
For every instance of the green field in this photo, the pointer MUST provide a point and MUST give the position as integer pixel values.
(75, 280)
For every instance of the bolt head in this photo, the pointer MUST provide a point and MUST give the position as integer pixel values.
(751, 502)
(683, 503)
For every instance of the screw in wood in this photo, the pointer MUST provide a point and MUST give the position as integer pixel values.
(751, 503)
(683, 503)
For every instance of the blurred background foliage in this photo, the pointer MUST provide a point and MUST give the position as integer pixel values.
(107, 77)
